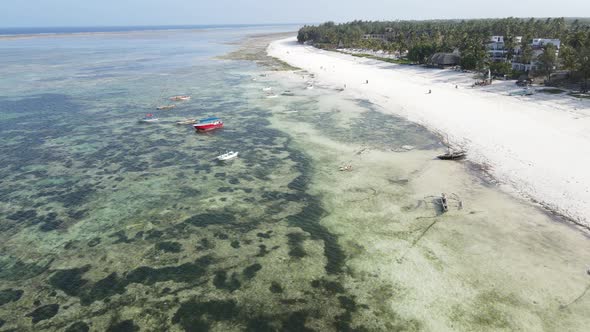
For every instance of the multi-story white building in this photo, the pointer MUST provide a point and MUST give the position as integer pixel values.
(537, 45)
(496, 49)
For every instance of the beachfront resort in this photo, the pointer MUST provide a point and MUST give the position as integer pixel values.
(527, 49)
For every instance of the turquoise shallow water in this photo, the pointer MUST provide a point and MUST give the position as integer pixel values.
(109, 224)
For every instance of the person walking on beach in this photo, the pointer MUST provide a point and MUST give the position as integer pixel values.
(367, 82)
(429, 91)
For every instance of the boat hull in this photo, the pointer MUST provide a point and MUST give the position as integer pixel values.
(452, 156)
(208, 126)
(227, 156)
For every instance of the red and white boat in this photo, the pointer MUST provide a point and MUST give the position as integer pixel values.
(208, 124)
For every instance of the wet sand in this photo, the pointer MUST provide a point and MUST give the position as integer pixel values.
(536, 145)
(499, 263)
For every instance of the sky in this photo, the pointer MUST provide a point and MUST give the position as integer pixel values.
(63, 13)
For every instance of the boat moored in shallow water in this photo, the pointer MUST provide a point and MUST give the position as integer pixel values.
(180, 98)
(208, 124)
(149, 118)
(227, 156)
(186, 121)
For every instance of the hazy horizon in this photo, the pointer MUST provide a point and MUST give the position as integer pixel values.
(275, 23)
(111, 13)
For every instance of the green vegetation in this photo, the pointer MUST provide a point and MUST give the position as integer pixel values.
(374, 57)
(501, 68)
(421, 39)
(547, 61)
(580, 95)
(552, 91)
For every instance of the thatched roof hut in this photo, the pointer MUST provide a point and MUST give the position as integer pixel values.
(444, 59)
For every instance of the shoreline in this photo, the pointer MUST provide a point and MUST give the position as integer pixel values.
(513, 139)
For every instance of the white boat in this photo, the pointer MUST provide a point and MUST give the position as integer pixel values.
(309, 87)
(227, 156)
(267, 89)
(272, 95)
(149, 118)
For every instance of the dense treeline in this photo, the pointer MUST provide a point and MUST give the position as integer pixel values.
(424, 38)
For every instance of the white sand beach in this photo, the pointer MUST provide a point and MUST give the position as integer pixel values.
(538, 146)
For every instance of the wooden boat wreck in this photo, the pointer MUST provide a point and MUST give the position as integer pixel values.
(453, 155)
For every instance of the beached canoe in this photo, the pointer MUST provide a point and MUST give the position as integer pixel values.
(454, 155)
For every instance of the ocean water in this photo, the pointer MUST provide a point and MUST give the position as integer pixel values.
(109, 224)
(106, 29)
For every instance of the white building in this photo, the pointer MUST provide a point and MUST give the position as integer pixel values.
(542, 42)
(537, 46)
(496, 49)
(375, 36)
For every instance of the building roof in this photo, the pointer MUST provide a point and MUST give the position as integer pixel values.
(445, 59)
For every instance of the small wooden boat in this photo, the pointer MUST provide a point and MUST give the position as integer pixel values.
(180, 98)
(186, 122)
(166, 107)
(453, 155)
(227, 156)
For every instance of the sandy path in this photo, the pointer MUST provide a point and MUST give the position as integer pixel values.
(538, 145)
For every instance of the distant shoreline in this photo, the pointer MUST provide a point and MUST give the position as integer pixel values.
(26, 33)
